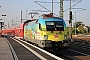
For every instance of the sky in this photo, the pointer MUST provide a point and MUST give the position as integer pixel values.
(12, 9)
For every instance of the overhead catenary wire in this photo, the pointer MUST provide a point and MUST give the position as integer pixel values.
(42, 6)
(72, 6)
(46, 5)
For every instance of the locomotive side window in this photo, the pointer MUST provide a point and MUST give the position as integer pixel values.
(40, 26)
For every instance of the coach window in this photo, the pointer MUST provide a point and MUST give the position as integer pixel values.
(19, 30)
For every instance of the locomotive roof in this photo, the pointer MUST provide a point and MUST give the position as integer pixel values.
(29, 21)
(52, 19)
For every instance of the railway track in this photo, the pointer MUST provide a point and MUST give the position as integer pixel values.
(54, 54)
(82, 47)
(59, 55)
(38, 53)
(78, 50)
(81, 44)
(64, 55)
(68, 54)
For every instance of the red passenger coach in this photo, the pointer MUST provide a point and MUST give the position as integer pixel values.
(19, 31)
(7, 31)
(15, 31)
(3, 32)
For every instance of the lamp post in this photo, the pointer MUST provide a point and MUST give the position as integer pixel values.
(4, 18)
(1, 23)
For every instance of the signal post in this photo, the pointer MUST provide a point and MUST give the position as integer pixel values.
(70, 21)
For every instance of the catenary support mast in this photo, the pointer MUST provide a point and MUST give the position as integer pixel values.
(61, 8)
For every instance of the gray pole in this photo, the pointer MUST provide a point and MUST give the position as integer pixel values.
(12, 22)
(4, 19)
(8, 24)
(21, 16)
(70, 22)
(75, 23)
(52, 6)
(16, 20)
(61, 8)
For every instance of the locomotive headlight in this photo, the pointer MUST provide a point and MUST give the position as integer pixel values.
(65, 36)
(46, 37)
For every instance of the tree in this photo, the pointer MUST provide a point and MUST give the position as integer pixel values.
(80, 28)
(77, 24)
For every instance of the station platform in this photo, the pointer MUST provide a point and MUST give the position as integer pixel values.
(5, 52)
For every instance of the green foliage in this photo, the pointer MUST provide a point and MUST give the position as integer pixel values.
(79, 28)
(77, 24)
(67, 30)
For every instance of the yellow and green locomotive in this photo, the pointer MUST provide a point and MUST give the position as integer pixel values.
(47, 32)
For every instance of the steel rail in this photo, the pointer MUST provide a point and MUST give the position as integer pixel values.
(12, 50)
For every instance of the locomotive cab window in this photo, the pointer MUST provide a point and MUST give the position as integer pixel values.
(59, 26)
(50, 26)
(54, 25)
